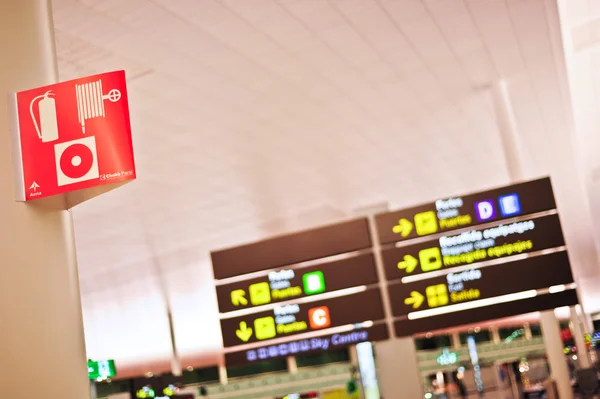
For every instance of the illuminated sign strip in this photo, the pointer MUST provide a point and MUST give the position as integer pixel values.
(450, 214)
(293, 266)
(294, 319)
(475, 284)
(307, 344)
(310, 334)
(472, 247)
(543, 300)
(316, 298)
(481, 226)
(289, 285)
(490, 301)
(481, 265)
(472, 305)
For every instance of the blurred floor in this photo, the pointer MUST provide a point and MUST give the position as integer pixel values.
(504, 394)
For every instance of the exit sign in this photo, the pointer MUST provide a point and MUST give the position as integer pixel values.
(101, 370)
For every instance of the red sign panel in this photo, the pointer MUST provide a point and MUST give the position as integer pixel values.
(72, 136)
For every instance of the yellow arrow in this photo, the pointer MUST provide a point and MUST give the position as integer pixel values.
(244, 332)
(238, 297)
(416, 299)
(409, 263)
(404, 227)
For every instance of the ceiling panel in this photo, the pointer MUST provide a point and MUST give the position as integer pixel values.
(257, 118)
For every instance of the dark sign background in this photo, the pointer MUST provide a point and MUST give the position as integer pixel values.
(293, 248)
(378, 332)
(344, 273)
(506, 278)
(535, 196)
(408, 327)
(348, 309)
(546, 234)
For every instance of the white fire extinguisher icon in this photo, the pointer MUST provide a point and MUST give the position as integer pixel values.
(47, 130)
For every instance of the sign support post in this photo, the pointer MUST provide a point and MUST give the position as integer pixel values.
(93, 390)
(292, 365)
(556, 356)
(392, 373)
(506, 122)
(39, 271)
(222, 374)
(396, 378)
(583, 358)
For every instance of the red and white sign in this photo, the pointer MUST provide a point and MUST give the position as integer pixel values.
(319, 317)
(72, 136)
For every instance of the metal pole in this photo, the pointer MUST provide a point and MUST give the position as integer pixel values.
(392, 372)
(507, 126)
(582, 353)
(556, 356)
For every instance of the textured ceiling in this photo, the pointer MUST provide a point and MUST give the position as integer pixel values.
(256, 117)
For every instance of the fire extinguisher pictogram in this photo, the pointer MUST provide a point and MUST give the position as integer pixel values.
(47, 130)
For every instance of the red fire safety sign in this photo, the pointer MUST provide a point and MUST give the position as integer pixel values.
(72, 136)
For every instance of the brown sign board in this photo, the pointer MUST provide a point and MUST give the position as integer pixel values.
(445, 215)
(473, 246)
(293, 319)
(475, 284)
(407, 327)
(288, 284)
(292, 248)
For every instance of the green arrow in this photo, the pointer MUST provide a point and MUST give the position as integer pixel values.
(409, 263)
(238, 297)
(244, 332)
(404, 227)
(416, 299)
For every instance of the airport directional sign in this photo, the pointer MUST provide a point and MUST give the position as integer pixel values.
(298, 318)
(445, 215)
(454, 261)
(475, 284)
(313, 344)
(474, 246)
(288, 284)
(464, 259)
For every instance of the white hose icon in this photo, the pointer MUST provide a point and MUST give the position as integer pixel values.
(90, 101)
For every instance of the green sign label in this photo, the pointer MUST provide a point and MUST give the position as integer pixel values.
(101, 370)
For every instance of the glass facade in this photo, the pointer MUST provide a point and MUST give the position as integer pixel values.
(268, 366)
(435, 342)
(480, 336)
(323, 358)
